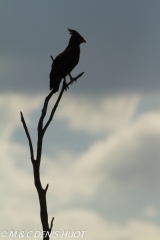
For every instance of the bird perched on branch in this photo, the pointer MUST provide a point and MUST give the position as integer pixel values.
(65, 62)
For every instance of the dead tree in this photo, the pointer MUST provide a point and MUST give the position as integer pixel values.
(36, 161)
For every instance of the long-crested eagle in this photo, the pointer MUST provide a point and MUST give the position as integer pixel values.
(65, 62)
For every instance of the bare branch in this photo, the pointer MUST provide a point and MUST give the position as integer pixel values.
(29, 138)
(75, 78)
(46, 188)
(36, 162)
(40, 126)
(44, 110)
(51, 226)
(54, 108)
(64, 86)
(52, 58)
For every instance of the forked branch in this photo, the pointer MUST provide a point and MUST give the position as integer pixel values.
(36, 162)
(64, 87)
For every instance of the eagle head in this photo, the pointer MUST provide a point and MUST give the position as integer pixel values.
(76, 36)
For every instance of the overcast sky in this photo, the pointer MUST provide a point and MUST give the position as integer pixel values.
(122, 51)
(101, 152)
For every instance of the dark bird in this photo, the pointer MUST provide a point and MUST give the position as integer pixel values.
(66, 61)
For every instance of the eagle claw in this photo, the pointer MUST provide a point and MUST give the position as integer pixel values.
(65, 85)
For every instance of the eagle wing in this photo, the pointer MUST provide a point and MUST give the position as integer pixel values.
(63, 65)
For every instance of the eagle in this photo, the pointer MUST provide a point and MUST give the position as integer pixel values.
(66, 61)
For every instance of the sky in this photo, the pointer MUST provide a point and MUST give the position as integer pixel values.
(101, 154)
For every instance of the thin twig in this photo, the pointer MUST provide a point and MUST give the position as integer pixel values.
(52, 58)
(64, 86)
(29, 138)
(46, 188)
(40, 126)
(54, 109)
(51, 226)
(44, 109)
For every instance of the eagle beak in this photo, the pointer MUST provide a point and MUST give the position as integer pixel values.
(84, 40)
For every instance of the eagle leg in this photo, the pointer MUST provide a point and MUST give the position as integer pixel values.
(65, 84)
(72, 78)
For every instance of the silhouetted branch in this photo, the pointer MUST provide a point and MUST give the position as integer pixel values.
(40, 126)
(28, 136)
(54, 108)
(52, 58)
(64, 86)
(51, 224)
(36, 162)
(40, 190)
(46, 187)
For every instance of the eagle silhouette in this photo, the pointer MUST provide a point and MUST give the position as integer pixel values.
(66, 61)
